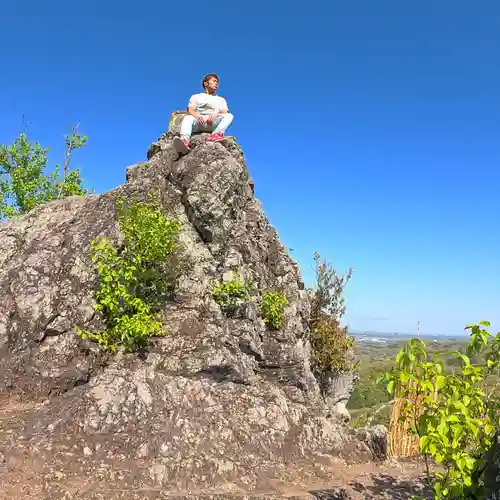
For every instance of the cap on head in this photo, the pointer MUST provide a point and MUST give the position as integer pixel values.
(207, 77)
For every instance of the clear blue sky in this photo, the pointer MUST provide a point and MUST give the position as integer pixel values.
(371, 128)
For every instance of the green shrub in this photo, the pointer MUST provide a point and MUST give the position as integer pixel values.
(330, 342)
(273, 308)
(331, 345)
(456, 414)
(23, 182)
(136, 278)
(328, 293)
(229, 294)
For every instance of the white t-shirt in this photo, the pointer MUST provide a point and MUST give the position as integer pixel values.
(207, 104)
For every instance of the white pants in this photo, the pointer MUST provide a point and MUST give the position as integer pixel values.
(189, 125)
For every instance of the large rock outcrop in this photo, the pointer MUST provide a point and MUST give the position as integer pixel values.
(220, 403)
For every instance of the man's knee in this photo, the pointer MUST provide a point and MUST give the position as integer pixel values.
(227, 117)
(188, 125)
(189, 119)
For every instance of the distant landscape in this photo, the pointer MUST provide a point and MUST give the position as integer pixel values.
(389, 337)
(376, 352)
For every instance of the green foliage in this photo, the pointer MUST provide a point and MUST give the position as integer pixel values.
(229, 294)
(328, 295)
(368, 405)
(23, 182)
(331, 343)
(273, 308)
(136, 278)
(457, 413)
(73, 141)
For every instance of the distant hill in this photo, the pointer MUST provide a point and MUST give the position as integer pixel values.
(388, 337)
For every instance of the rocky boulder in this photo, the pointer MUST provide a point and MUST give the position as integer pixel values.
(219, 402)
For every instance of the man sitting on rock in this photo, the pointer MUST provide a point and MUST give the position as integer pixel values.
(207, 112)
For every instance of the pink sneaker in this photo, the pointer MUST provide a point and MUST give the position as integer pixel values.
(182, 146)
(215, 137)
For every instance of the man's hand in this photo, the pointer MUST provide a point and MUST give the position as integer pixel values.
(211, 119)
(192, 111)
(200, 119)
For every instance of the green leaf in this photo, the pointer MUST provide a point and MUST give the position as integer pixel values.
(488, 429)
(126, 279)
(391, 386)
(440, 381)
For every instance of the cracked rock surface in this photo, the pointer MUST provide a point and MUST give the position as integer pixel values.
(219, 402)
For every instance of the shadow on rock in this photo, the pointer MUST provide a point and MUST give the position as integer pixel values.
(385, 486)
(330, 494)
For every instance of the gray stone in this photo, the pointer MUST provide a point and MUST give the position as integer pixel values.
(376, 438)
(220, 400)
(336, 389)
(176, 118)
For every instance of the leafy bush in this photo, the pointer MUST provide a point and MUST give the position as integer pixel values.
(273, 308)
(328, 295)
(23, 182)
(229, 294)
(330, 341)
(454, 415)
(135, 278)
(331, 346)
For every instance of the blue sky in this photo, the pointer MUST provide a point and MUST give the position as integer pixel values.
(371, 128)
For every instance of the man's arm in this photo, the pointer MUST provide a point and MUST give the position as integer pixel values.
(225, 108)
(223, 111)
(212, 118)
(192, 110)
